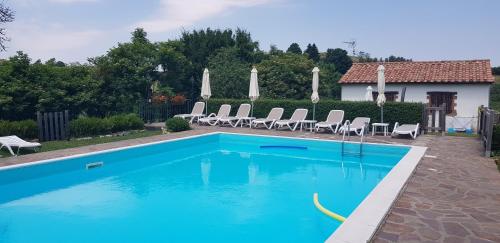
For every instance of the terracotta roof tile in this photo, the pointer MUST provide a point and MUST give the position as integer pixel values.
(473, 71)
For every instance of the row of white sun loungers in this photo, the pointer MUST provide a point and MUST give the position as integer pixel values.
(333, 121)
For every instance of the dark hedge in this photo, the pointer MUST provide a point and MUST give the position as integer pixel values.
(393, 111)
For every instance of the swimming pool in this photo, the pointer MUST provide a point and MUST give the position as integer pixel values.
(211, 188)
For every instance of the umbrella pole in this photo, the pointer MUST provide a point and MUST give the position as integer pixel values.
(314, 111)
(381, 114)
(251, 113)
(206, 107)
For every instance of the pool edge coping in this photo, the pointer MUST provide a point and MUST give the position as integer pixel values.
(365, 220)
(45, 161)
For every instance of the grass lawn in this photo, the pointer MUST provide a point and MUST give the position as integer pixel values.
(56, 145)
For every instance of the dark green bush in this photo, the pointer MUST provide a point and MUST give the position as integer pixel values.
(91, 126)
(126, 122)
(177, 124)
(393, 111)
(495, 145)
(27, 129)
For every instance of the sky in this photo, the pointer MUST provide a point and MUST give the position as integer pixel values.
(73, 30)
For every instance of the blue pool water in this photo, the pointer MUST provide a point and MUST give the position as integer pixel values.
(213, 188)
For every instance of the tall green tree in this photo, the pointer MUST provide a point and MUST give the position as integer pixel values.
(495, 70)
(393, 58)
(294, 48)
(178, 70)
(126, 73)
(328, 81)
(6, 16)
(286, 76)
(274, 50)
(312, 52)
(26, 87)
(339, 58)
(230, 74)
(200, 45)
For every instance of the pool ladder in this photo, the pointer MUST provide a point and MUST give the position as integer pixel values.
(348, 125)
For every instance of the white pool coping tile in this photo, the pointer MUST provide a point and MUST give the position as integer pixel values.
(364, 221)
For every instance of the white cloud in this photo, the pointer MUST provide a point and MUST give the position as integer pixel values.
(173, 14)
(52, 41)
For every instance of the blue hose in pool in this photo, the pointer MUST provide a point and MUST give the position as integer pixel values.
(283, 147)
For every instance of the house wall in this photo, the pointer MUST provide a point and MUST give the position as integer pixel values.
(469, 97)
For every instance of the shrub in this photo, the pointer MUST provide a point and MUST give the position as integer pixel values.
(126, 122)
(90, 126)
(27, 129)
(495, 145)
(177, 124)
(393, 111)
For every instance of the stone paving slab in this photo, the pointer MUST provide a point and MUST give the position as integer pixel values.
(452, 197)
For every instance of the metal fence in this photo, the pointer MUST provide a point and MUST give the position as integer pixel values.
(434, 119)
(53, 125)
(488, 118)
(150, 112)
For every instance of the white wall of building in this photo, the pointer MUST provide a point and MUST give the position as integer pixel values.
(469, 97)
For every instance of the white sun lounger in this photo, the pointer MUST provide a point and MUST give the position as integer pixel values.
(243, 112)
(196, 113)
(334, 119)
(15, 141)
(213, 119)
(411, 129)
(268, 122)
(359, 125)
(298, 116)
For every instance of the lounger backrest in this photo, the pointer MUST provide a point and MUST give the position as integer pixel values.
(275, 114)
(13, 140)
(335, 116)
(299, 115)
(243, 110)
(224, 111)
(198, 108)
(359, 122)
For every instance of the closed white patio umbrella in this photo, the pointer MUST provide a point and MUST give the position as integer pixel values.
(369, 94)
(381, 90)
(315, 85)
(253, 91)
(205, 88)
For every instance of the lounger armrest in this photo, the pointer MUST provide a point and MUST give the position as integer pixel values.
(212, 115)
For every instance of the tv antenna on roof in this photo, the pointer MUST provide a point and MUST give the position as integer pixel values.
(352, 46)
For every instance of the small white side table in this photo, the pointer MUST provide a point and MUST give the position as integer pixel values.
(308, 124)
(245, 121)
(384, 126)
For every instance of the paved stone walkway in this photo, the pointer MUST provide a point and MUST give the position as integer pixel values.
(453, 196)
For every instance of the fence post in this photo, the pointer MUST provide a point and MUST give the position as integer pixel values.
(489, 133)
(40, 125)
(442, 119)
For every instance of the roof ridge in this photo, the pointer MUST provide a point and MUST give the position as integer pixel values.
(413, 62)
